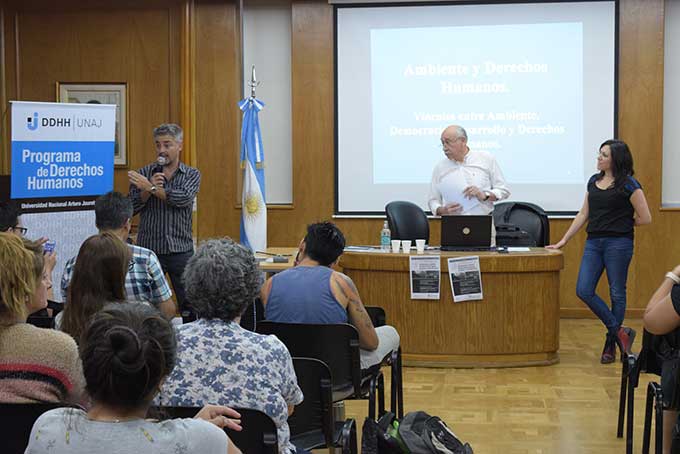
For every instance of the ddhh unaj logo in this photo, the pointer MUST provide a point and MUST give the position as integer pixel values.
(32, 123)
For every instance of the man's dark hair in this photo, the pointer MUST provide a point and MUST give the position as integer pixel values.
(324, 242)
(112, 210)
(9, 214)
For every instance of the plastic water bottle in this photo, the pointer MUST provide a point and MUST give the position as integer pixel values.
(385, 237)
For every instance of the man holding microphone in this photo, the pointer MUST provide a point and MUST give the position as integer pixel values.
(163, 193)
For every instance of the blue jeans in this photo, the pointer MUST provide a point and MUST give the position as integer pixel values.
(614, 255)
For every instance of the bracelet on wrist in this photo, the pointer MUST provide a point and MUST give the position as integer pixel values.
(673, 277)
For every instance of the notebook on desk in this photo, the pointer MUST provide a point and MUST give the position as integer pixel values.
(466, 233)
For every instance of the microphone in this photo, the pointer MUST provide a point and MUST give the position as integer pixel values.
(160, 162)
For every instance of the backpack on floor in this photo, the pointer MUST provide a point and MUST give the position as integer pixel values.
(417, 433)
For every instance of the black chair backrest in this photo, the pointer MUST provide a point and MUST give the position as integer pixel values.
(337, 345)
(527, 216)
(16, 422)
(258, 434)
(377, 314)
(654, 346)
(252, 315)
(316, 411)
(407, 221)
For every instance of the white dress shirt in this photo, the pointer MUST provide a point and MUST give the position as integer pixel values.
(479, 169)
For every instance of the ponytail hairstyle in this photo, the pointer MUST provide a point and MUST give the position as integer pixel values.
(622, 162)
(127, 350)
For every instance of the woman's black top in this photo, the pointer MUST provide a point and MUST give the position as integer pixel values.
(610, 213)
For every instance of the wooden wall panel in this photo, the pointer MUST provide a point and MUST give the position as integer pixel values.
(217, 84)
(123, 42)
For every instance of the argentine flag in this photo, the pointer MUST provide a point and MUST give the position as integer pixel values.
(253, 202)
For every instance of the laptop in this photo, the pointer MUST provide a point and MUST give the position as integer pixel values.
(466, 233)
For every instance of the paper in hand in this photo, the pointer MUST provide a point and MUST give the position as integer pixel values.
(451, 188)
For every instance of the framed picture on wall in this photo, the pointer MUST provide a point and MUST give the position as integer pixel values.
(101, 93)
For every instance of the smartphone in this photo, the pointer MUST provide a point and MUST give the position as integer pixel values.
(49, 246)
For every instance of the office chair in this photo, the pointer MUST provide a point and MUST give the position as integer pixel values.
(527, 217)
(407, 221)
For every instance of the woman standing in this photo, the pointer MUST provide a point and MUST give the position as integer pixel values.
(613, 206)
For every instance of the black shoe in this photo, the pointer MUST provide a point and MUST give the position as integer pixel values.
(609, 351)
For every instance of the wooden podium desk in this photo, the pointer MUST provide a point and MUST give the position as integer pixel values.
(516, 324)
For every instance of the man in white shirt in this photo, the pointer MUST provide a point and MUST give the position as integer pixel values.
(483, 181)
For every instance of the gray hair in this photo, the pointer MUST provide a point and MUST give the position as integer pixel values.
(221, 279)
(169, 129)
(460, 132)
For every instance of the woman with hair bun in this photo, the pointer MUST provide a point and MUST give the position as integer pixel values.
(127, 351)
(614, 205)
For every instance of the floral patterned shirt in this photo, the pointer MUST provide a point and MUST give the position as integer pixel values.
(221, 363)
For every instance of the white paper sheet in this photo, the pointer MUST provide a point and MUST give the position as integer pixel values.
(465, 278)
(425, 274)
(451, 188)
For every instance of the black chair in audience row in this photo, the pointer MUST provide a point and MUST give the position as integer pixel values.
(379, 318)
(337, 345)
(16, 422)
(633, 365)
(311, 425)
(258, 434)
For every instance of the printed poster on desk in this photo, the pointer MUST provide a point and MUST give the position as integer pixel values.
(466, 279)
(424, 272)
(62, 160)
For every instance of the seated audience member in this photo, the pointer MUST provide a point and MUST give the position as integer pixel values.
(145, 280)
(217, 360)
(36, 365)
(311, 292)
(10, 221)
(10, 218)
(662, 317)
(127, 351)
(98, 278)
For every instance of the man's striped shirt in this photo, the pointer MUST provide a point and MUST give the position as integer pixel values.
(165, 225)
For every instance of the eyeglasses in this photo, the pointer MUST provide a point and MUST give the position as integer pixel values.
(21, 230)
(449, 142)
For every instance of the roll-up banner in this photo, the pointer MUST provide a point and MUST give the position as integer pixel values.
(62, 160)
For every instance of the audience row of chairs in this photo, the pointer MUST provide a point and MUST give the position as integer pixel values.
(328, 371)
(312, 425)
